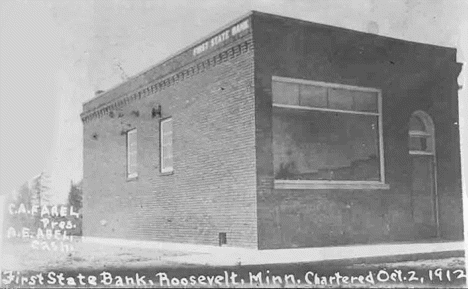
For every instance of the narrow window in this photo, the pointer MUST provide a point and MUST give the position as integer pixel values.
(132, 154)
(166, 145)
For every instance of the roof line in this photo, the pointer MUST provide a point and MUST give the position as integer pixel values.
(180, 51)
(352, 30)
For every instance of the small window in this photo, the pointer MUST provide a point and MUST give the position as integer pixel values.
(132, 154)
(166, 146)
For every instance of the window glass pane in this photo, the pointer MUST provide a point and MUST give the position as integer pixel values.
(314, 96)
(168, 163)
(316, 145)
(365, 101)
(416, 124)
(340, 99)
(165, 152)
(166, 126)
(418, 143)
(285, 93)
(169, 151)
(131, 137)
(132, 168)
(167, 139)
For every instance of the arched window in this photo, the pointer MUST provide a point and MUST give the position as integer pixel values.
(421, 134)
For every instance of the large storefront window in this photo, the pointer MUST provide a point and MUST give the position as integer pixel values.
(326, 135)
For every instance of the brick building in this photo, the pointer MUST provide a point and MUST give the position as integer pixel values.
(278, 133)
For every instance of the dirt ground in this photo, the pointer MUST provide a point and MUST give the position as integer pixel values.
(20, 256)
(93, 259)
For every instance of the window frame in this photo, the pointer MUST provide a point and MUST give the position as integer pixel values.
(336, 184)
(428, 133)
(131, 175)
(163, 169)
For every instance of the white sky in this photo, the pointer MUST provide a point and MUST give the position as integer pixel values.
(55, 54)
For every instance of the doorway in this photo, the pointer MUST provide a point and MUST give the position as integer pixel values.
(424, 201)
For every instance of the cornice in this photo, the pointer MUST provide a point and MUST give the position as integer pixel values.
(170, 79)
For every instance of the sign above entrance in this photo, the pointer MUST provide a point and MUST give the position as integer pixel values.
(221, 37)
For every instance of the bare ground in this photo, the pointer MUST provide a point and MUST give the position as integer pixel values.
(20, 256)
(122, 260)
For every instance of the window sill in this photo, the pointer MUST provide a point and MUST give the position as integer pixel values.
(167, 173)
(318, 185)
(132, 178)
(421, 153)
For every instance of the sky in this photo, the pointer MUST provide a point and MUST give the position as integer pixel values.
(55, 54)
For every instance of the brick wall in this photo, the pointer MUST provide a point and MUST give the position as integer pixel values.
(213, 187)
(412, 77)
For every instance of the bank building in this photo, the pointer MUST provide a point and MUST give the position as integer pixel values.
(274, 132)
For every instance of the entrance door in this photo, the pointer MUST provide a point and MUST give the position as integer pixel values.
(424, 205)
(424, 194)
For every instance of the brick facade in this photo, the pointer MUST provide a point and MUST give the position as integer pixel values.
(220, 102)
(412, 77)
(213, 186)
